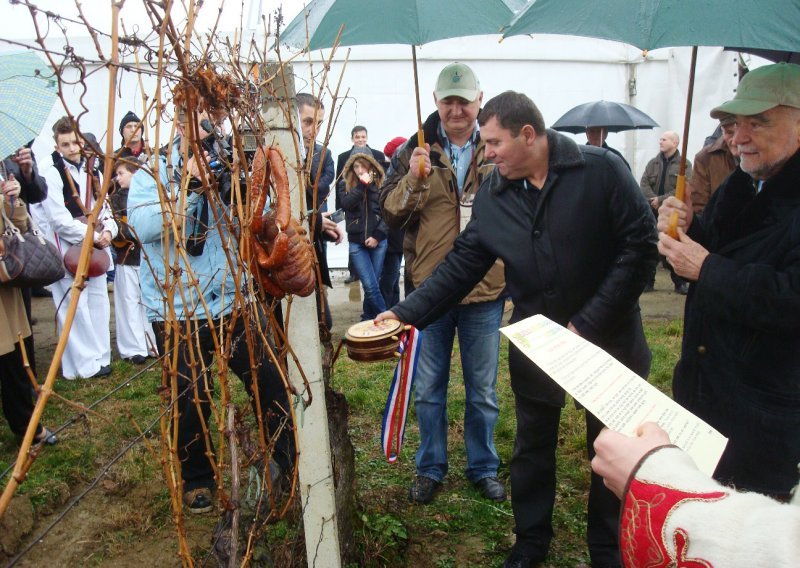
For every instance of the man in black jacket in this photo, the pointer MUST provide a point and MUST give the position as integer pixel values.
(578, 243)
(740, 364)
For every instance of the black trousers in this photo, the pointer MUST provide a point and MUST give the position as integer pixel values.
(196, 467)
(16, 391)
(677, 281)
(533, 486)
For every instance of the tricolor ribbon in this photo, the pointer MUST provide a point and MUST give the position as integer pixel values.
(396, 411)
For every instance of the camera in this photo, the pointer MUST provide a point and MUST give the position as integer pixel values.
(337, 216)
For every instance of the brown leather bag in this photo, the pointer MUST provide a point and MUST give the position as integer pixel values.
(27, 259)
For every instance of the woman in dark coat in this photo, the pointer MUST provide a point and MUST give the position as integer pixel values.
(366, 231)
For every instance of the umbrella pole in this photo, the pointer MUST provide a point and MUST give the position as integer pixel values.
(420, 133)
(680, 187)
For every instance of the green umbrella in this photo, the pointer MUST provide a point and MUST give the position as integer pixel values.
(27, 94)
(406, 22)
(650, 24)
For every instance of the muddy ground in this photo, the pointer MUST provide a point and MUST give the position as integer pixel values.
(76, 539)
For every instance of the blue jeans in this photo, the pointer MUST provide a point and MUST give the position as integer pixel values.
(479, 341)
(368, 264)
(390, 278)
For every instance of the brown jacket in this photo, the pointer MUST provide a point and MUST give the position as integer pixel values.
(712, 165)
(430, 211)
(13, 320)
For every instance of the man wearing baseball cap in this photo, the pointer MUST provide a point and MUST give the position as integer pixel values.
(434, 207)
(740, 362)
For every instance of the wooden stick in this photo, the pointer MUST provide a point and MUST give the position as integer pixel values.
(680, 187)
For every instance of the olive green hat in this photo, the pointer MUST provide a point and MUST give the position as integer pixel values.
(457, 80)
(762, 89)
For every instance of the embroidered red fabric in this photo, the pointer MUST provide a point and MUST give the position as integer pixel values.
(643, 538)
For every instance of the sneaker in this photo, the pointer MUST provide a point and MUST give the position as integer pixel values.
(423, 489)
(198, 501)
(44, 436)
(491, 488)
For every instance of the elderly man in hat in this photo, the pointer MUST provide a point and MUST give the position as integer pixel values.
(434, 206)
(740, 364)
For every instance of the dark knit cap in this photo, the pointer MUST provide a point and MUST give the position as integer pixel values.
(129, 117)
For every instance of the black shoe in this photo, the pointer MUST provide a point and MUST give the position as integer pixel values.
(491, 488)
(682, 289)
(350, 279)
(423, 490)
(104, 371)
(198, 500)
(137, 359)
(41, 293)
(517, 560)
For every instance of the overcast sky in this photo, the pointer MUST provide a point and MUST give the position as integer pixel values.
(15, 20)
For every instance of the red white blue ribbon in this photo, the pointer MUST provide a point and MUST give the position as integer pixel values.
(396, 411)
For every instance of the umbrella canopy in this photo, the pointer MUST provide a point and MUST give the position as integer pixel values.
(614, 117)
(649, 24)
(380, 22)
(772, 54)
(406, 22)
(27, 94)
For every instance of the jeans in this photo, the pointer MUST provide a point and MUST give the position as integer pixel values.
(368, 263)
(479, 341)
(390, 278)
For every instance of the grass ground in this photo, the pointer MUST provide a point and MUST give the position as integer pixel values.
(457, 529)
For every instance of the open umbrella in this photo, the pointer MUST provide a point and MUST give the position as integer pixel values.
(406, 22)
(614, 117)
(650, 24)
(774, 55)
(27, 94)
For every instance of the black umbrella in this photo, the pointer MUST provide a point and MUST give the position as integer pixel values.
(614, 117)
(772, 54)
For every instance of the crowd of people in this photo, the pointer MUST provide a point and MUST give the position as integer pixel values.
(494, 206)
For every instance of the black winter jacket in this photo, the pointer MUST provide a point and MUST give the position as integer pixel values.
(740, 361)
(582, 254)
(360, 203)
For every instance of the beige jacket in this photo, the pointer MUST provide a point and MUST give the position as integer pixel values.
(431, 213)
(13, 320)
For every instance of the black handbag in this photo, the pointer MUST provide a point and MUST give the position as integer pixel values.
(28, 259)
